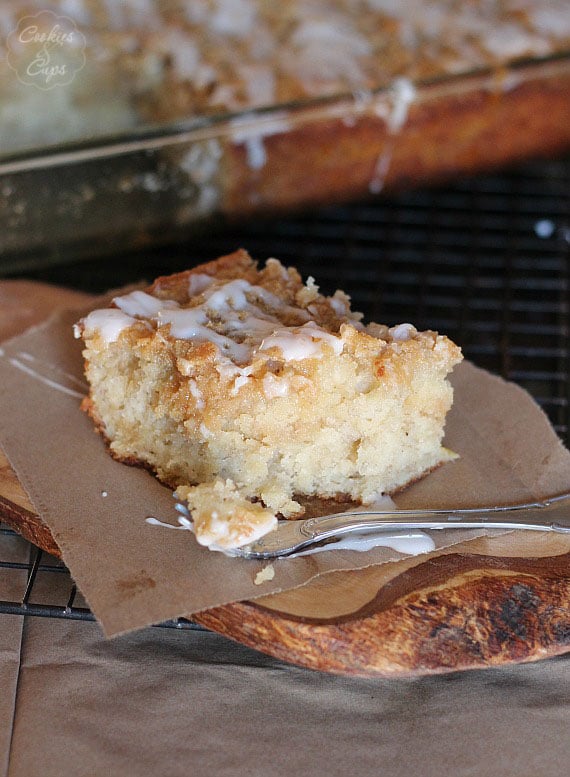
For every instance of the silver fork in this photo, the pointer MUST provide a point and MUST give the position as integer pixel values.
(292, 536)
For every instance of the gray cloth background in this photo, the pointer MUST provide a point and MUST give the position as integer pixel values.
(166, 702)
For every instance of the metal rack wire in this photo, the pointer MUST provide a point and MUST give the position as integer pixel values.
(65, 600)
(34, 566)
(487, 261)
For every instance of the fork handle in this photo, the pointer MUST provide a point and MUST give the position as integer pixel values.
(553, 515)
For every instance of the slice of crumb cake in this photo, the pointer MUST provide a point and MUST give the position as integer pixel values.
(247, 390)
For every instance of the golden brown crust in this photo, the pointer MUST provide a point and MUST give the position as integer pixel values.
(448, 132)
(130, 461)
(473, 620)
(238, 264)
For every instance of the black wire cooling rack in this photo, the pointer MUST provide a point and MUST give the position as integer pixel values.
(47, 587)
(487, 261)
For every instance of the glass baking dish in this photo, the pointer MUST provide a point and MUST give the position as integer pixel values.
(154, 183)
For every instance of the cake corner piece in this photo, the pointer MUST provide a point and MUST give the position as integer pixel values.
(250, 392)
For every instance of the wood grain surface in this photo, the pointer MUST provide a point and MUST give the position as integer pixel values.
(488, 602)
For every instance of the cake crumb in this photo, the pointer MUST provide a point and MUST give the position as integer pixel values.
(265, 574)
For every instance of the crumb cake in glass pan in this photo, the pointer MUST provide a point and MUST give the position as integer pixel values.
(154, 61)
(177, 112)
(248, 392)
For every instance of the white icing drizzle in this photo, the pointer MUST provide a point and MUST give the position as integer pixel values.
(242, 377)
(251, 131)
(196, 393)
(551, 18)
(232, 296)
(109, 323)
(139, 304)
(185, 524)
(256, 154)
(403, 332)
(410, 543)
(381, 169)
(403, 93)
(301, 342)
(233, 17)
(44, 365)
(198, 282)
(247, 316)
(324, 49)
(275, 387)
(260, 83)
(201, 164)
(43, 379)
(339, 304)
(191, 324)
(205, 432)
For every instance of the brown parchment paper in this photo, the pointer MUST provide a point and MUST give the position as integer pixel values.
(133, 574)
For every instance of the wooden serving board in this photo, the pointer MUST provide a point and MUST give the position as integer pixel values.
(488, 602)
